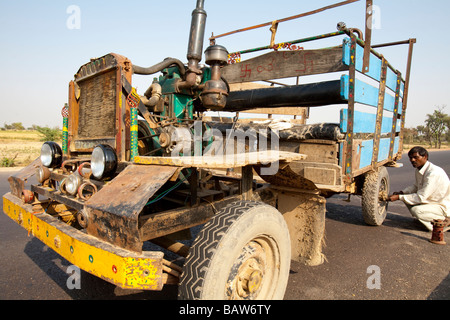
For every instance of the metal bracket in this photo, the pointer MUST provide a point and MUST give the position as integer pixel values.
(395, 115)
(378, 124)
(368, 36)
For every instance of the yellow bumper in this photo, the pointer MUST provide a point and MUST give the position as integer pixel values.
(121, 267)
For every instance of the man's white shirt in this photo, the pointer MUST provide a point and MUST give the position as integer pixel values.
(432, 187)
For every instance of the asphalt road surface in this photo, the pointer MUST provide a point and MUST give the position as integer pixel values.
(392, 262)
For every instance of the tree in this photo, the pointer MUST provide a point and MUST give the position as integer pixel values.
(447, 123)
(437, 123)
(17, 126)
(14, 126)
(424, 133)
(409, 135)
(50, 134)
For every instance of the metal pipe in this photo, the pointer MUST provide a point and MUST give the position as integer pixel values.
(393, 43)
(362, 44)
(160, 66)
(83, 187)
(310, 95)
(197, 33)
(152, 95)
(285, 19)
(195, 47)
(84, 170)
(322, 36)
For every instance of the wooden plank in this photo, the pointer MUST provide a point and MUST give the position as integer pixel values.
(375, 65)
(395, 117)
(379, 117)
(317, 152)
(375, 62)
(391, 79)
(366, 94)
(285, 64)
(365, 122)
(223, 161)
(383, 153)
(349, 152)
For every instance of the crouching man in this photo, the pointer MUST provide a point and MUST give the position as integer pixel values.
(429, 198)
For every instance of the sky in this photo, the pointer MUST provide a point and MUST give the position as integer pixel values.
(43, 43)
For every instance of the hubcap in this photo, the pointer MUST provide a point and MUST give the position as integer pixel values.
(254, 271)
(382, 196)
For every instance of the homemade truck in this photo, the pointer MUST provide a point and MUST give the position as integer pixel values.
(137, 174)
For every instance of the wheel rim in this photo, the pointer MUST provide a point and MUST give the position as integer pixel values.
(254, 273)
(383, 192)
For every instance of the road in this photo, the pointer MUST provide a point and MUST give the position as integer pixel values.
(406, 265)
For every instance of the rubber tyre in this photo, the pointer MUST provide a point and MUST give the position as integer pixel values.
(244, 241)
(144, 145)
(375, 183)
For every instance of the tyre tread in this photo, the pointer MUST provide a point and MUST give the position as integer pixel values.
(204, 248)
(369, 198)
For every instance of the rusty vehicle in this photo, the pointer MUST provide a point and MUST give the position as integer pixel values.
(137, 176)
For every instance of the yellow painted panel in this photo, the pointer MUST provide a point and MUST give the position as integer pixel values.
(116, 265)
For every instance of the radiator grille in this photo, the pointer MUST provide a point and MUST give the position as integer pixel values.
(97, 108)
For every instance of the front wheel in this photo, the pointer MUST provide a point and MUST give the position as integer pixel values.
(374, 196)
(243, 252)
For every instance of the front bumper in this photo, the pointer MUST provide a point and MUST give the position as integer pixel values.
(124, 268)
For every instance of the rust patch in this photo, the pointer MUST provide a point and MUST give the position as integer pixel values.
(17, 180)
(113, 211)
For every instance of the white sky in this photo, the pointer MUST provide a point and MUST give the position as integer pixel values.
(40, 54)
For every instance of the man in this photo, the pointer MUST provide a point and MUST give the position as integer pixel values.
(429, 198)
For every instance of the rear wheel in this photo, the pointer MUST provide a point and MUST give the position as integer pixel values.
(374, 196)
(243, 252)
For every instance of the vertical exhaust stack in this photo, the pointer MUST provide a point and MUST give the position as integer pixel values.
(196, 36)
(195, 46)
(215, 90)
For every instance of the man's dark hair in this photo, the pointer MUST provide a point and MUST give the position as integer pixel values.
(421, 151)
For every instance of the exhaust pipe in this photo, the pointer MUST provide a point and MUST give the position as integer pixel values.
(215, 90)
(196, 36)
(195, 48)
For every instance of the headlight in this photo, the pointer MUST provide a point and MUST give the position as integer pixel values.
(51, 154)
(72, 184)
(42, 174)
(103, 161)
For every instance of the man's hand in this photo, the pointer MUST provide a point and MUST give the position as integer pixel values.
(395, 196)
